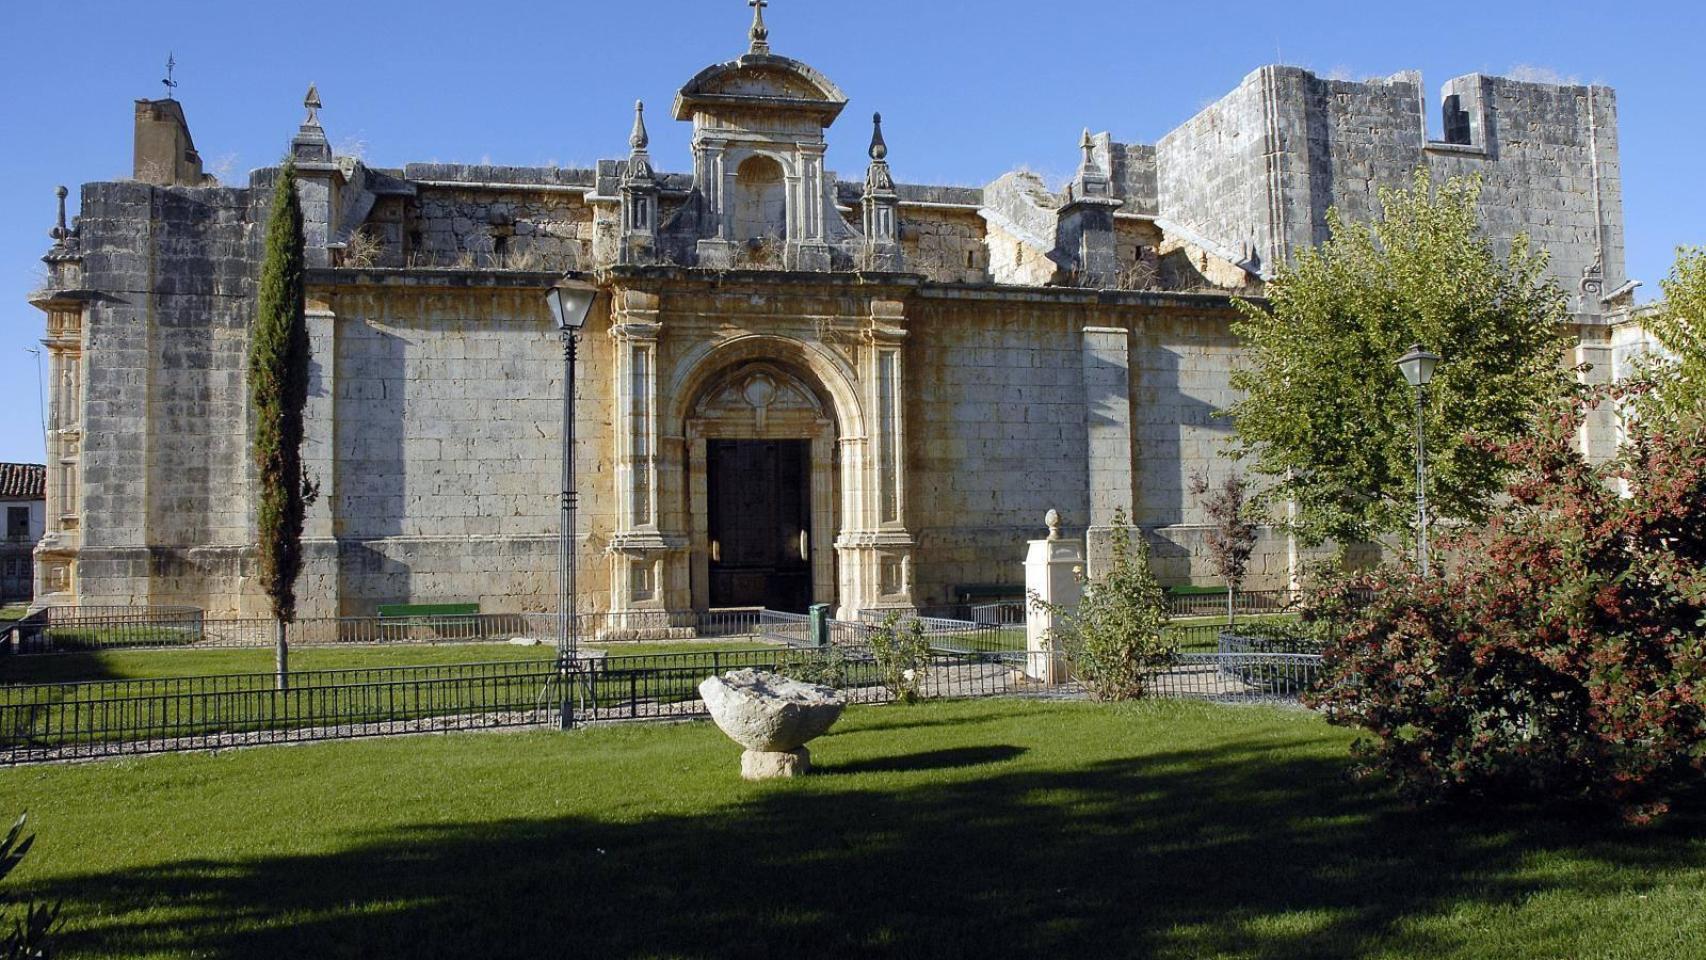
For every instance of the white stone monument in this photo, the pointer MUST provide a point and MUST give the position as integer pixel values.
(1052, 569)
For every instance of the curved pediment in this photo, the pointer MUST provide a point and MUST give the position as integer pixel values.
(762, 80)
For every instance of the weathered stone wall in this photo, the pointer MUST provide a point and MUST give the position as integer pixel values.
(1000, 429)
(946, 245)
(996, 436)
(164, 458)
(447, 425)
(1137, 245)
(513, 217)
(1257, 171)
(1132, 173)
(1544, 152)
(1212, 170)
(1181, 360)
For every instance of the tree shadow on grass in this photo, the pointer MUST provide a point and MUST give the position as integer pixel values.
(929, 760)
(1234, 851)
(82, 667)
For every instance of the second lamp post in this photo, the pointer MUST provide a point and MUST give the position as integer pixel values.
(1418, 368)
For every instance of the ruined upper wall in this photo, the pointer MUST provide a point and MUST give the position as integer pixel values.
(1548, 158)
(1256, 172)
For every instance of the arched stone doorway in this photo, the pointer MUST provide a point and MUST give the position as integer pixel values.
(763, 487)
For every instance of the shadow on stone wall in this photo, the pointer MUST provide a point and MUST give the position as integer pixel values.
(372, 494)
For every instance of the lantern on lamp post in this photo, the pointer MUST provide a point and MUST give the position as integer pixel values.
(1418, 369)
(570, 303)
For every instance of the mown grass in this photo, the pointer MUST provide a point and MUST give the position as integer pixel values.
(974, 829)
(158, 664)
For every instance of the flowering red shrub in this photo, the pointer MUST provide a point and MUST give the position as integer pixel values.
(1563, 652)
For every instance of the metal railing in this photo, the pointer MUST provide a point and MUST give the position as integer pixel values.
(106, 718)
(1236, 676)
(64, 629)
(987, 627)
(1247, 602)
(793, 629)
(61, 721)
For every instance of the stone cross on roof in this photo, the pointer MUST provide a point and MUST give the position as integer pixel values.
(760, 33)
(312, 102)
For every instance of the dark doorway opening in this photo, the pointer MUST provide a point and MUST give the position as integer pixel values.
(759, 492)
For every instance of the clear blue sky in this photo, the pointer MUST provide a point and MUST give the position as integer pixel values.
(967, 90)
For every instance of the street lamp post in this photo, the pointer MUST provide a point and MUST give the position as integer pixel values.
(570, 303)
(1418, 368)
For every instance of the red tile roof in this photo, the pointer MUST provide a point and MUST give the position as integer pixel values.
(23, 481)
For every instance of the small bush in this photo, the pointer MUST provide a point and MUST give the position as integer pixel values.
(827, 666)
(1117, 637)
(903, 656)
(1563, 654)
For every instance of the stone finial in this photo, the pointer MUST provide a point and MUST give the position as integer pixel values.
(879, 149)
(312, 102)
(1052, 519)
(1092, 181)
(639, 139)
(760, 33)
(59, 232)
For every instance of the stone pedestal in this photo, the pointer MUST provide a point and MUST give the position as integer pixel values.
(772, 717)
(1052, 568)
(762, 765)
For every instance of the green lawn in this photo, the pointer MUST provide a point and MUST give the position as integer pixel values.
(973, 829)
(154, 664)
(10, 614)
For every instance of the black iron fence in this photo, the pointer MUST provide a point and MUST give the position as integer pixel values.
(76, 629)
(106, 718)
(989, 628)
(44, 722)
(1245, 603)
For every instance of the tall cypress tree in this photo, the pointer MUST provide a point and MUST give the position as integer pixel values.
(278, 390)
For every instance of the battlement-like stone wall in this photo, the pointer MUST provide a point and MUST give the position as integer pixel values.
(1257, 171)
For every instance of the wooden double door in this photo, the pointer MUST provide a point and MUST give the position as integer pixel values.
(759, 495)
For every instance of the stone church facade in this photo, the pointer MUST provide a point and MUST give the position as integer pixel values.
(793, 388)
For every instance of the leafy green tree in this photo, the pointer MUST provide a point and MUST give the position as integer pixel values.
(1674, 385)
(1326, 414)
(1116, 638)
(278, 390)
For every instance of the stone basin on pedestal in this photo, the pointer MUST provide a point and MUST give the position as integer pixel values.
(773, 717)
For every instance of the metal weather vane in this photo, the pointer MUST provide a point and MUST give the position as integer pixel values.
(171, 85)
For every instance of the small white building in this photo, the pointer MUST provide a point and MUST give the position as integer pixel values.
(23, 508)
